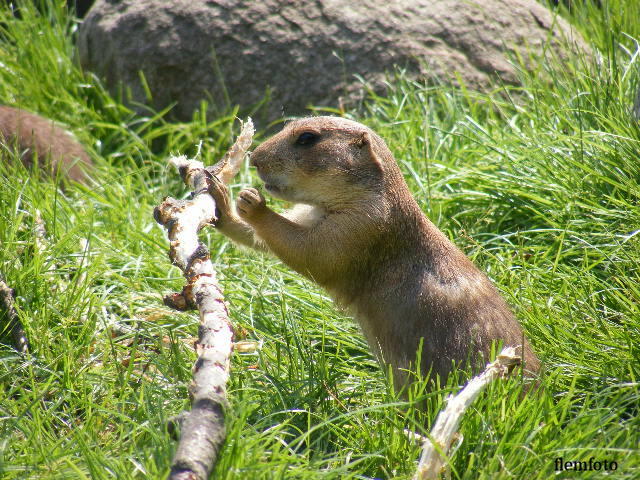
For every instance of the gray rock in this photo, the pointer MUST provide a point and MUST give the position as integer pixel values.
(306, 52)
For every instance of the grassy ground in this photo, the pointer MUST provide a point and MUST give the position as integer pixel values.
(539, 185)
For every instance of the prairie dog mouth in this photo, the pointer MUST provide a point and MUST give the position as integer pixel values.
(271, 188)
(283, 192)
(274, 184)
(277, 186)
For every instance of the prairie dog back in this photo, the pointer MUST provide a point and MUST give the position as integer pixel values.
(38, 138)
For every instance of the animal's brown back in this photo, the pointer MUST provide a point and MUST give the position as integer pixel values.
(38, 138)
(419, 287)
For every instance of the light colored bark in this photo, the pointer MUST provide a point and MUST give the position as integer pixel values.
(436, 448)
(202, 430)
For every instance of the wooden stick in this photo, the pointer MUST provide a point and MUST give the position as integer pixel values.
(202, 430)
(18, 335)
(436, 448)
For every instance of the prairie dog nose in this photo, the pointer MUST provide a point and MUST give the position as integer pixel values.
(256, 158)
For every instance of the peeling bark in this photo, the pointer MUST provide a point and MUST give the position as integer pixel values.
(202, 430)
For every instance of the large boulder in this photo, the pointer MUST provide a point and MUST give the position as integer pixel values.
(305, 52)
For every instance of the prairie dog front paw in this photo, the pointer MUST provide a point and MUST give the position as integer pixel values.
(250, 204)
(220, 193)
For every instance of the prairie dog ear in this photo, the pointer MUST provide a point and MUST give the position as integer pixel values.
(365, 144)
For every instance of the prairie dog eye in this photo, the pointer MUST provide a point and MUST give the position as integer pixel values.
(307, 138)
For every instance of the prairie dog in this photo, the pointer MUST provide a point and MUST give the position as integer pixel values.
(359, 233)
(38, 138)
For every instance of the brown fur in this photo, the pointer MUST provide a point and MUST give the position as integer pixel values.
(364, 239)
(38, 138)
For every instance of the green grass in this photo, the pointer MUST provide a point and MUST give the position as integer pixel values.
(540, 185)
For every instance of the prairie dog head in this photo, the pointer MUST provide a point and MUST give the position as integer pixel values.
(326, 161)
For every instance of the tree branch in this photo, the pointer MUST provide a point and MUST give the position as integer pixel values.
(202, 429)
(14, 326)
(436, 448)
